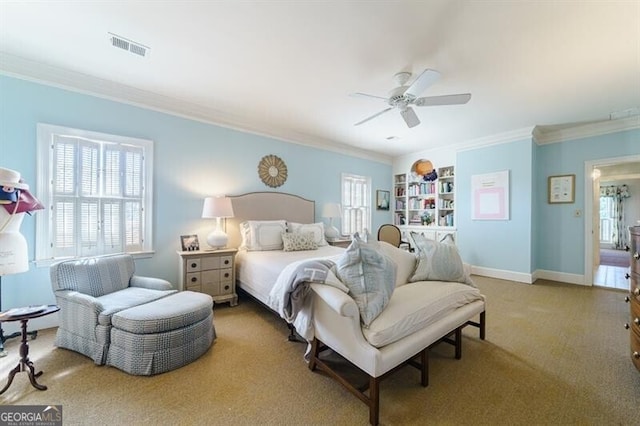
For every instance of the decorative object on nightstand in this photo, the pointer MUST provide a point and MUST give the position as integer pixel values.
(15, 201)
(210, 272)
(218, 208)
(331, 210)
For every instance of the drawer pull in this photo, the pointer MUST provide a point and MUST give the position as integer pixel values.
(626, 299)
(636, 292)
(627, 276)
(226, 275)
(626, 326)
(226, 287)
(194, 279)
(636, 355)
(636, 256)
(636, 321)
(626, 248)
(226, 262)
(193, 265)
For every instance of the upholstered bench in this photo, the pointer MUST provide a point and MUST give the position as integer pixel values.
(162, 335)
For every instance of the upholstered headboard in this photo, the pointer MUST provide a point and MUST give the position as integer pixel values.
(267, 206)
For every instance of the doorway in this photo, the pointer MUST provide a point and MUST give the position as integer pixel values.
(603, 266)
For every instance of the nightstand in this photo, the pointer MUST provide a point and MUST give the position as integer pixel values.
(211, 272)
(340, 241)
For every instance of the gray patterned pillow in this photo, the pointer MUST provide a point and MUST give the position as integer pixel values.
(439, 262)
(298, 241)
(370, 276)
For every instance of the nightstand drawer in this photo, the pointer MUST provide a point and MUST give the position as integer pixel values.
(226, 261)
(193, 265)
(226, 274)
(193, 279)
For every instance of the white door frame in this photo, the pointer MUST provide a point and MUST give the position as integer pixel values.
(588, 209)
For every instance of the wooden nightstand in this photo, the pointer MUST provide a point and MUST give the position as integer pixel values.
(340, 241)
(211, 272)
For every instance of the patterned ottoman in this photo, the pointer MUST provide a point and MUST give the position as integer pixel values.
(162, 335)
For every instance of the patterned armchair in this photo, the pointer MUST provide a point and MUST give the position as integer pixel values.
(89, 291)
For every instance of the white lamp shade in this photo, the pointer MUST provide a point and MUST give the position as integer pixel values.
(217, 207)
(331, 210)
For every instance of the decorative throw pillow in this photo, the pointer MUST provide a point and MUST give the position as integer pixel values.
(369, 275)
(298, 241)
(405, 262)
(258, 235)
(439, 262)
(316, 228)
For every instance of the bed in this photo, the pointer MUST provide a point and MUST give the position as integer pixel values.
(406, 327)
(257, 271)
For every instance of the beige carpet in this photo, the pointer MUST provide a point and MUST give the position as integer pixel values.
(554, 354)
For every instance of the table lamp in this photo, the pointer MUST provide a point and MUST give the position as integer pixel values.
(331, 210)
(218, 208)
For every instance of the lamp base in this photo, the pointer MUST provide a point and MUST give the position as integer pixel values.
(331, 231)
(217, 239)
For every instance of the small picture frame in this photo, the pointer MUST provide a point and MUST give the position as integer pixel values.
(382, 199)
(562, 189)
(189, 242)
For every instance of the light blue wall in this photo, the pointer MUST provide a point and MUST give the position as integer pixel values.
(561, 241)
(192, 160)
(497, 244)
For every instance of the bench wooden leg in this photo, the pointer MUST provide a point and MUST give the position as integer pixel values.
(483, 319)
(374, 400)
(458, 342)
(424, 359)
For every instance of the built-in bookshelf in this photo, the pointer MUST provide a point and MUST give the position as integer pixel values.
(419, 202)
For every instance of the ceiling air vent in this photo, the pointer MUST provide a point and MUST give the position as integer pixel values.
(129, 45)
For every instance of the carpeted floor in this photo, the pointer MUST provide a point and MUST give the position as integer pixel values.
(555, 354)
(612, 257)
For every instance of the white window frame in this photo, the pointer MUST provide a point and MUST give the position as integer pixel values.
(351, 208)
(46, 134)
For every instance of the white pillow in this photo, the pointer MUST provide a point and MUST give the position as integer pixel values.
(259, 235)
(439, 262)
(405, 261)
(316, 228)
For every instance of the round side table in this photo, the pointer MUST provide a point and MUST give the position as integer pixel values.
(25, 364)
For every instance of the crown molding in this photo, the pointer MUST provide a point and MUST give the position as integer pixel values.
(543, 137)
(24, 69)
(524, 133)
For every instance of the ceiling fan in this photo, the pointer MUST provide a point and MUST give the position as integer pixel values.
(402, 97)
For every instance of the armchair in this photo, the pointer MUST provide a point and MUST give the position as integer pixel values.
(89, 291)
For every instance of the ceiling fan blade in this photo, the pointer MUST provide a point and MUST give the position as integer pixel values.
(410, 117)
(424, 80)
(364, 95)
(373, 116)
(461, 98)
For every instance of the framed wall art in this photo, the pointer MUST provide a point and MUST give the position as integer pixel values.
(562, 189)
(382, 200)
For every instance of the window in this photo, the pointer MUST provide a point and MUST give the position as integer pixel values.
(97, 192)
(356, 210)
(607, 219)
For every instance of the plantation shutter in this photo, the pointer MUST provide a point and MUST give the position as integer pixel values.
(355, 204)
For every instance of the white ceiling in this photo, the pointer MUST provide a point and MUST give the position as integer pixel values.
(286, 68)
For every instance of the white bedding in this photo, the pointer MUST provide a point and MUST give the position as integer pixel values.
(257, 271)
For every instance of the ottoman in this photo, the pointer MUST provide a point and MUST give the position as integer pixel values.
(162, 335)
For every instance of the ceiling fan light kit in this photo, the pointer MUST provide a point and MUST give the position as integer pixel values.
(402, 97)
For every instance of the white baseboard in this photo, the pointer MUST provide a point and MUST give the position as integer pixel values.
(502, 274)
(528, 278)
(559, 276)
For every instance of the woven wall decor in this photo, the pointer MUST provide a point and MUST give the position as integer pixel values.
(272, 171)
